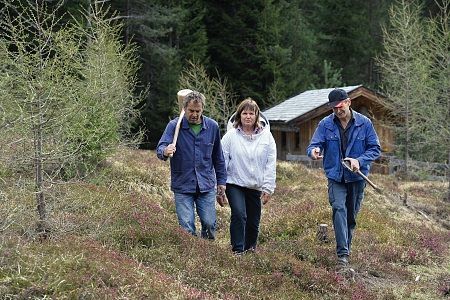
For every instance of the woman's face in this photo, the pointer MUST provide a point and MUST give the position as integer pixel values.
(248, 118)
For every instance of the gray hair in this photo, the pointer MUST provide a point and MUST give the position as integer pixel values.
(194, 96)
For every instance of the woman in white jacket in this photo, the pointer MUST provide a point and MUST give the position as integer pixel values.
(250, 159)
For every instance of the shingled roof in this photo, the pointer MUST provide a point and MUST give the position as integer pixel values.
(298, 105)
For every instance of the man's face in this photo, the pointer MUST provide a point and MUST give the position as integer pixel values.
(342, 110)
(194, 110)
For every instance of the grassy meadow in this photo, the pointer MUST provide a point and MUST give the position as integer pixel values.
(115, 236)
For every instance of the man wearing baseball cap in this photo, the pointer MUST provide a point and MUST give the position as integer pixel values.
(350, 136)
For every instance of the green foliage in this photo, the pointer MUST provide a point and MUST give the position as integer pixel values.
(193, 40)
(155, 28)
(415, 68)
(68, 89)
(233, 45)
(265, 48)
(220, 103)
(331, 77)
(349, 36)
(105, 98)
(288, 47)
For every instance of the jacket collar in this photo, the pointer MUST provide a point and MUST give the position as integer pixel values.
(185, 123)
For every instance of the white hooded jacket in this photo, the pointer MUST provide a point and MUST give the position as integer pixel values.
(250, 161)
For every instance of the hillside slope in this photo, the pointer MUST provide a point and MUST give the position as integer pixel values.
(115, 236)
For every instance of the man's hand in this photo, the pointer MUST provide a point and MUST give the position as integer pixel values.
(354, 163)
(315, 153)
(170, 150)
(265, 197)
(222, 200)
(221, 197)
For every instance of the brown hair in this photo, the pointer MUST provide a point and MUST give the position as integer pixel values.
(246, 104)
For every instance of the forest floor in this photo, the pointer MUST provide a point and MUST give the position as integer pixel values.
(115, 235)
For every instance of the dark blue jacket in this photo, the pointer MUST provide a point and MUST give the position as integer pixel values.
(363, 144)
(198, 158)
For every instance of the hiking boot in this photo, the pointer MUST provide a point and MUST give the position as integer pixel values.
(342, 261)
(343, 268)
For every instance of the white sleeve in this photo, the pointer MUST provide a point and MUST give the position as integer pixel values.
(226, 147)
(271, 167)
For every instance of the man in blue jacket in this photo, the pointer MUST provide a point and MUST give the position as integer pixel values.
(344, 135)
(197, 165)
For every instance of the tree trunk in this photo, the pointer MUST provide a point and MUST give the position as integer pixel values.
(408, 134)
(322, 233)
(39, 178)
(448, 176)
(127, 22)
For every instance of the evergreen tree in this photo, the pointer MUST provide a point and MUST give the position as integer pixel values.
(152, 28)
(167, 33)
(349, 35)
(192, 38)
(415, 69)
(265, 48)
(300, 38)
(232, 44)
(220, 103)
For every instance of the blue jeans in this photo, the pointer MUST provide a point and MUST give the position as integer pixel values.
(345, 200)
(245, 207)
(205, 204)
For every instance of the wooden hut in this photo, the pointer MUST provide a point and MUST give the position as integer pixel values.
(294, 120)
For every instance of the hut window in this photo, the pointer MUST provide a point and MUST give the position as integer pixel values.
(283, 139)
(297, 140)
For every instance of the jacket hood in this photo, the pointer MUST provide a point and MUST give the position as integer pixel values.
(263, 121)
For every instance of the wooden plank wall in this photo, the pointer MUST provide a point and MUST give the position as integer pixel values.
(306, 131)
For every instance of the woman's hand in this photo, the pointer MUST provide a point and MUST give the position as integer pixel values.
(265, 197)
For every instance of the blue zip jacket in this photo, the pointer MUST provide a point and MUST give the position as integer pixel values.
(198, 159)
(363, 145)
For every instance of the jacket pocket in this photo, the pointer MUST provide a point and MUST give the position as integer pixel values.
(332, 137)
(331, 197)
(207, 149)
(332, 145)
(359, 145)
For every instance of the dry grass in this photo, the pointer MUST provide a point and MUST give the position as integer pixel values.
(115, 236)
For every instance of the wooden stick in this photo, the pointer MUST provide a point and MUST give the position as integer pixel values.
(368, 180)
(180, 96)
(177, 128)
(363, 176)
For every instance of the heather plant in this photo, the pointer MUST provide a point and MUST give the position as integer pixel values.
(64, 270)
(117, 231)
(220, 102)
(434, 242)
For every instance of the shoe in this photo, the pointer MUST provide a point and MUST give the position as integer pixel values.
(251, 250)
(238, 253)
(342, 261)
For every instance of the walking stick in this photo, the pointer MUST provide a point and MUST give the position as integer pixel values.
(362, 175)
(180, 95)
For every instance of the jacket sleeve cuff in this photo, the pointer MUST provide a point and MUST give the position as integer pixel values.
(266, 190)
(361, 162)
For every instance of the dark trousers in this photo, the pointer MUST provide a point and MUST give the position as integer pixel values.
(245, 207)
